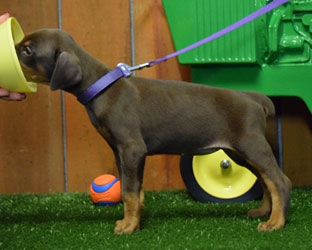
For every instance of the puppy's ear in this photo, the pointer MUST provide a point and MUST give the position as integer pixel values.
(67, 71)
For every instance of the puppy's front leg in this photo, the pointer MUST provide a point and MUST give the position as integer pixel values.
(131, 160)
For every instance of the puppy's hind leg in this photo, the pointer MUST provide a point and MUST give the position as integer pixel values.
(266, 206)
(132, 160)
(257, 152)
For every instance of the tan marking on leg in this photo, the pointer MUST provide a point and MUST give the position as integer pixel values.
(258, 153)
(132, 215)
(266, 206)
(277, 218)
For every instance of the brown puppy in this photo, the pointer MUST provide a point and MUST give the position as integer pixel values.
(140, 117)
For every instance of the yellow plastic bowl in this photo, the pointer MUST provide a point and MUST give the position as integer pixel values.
(11, 75)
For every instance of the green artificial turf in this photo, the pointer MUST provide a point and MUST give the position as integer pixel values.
(171, 220)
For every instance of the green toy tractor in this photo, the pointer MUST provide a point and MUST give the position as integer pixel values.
(271, 55)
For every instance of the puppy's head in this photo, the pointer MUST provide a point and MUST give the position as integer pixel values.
(48, 56)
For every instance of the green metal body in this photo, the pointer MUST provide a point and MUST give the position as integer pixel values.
(271, 55)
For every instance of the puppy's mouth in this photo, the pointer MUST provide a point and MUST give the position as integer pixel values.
(37, 76)
(32, 74)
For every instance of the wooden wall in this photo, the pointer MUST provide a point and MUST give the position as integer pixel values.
(31, 143)
(297, 134)
(31, 138)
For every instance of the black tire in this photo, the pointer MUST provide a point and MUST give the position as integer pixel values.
(199, 194)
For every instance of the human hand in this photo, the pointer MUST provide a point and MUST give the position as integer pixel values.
(4, 17)
(4, 94)
(11, 96)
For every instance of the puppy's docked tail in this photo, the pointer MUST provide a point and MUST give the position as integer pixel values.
(265, 102)
(268, 106)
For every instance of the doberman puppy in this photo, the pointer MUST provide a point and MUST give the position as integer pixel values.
(140, 117)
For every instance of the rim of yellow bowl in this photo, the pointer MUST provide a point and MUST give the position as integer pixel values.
(15, 35)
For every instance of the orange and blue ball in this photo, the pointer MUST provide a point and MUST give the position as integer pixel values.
(105, 190)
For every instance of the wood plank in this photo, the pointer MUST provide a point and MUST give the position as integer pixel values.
(102, 28)
(153, 40)
(108, 38)
(31, 145)
(297, 133)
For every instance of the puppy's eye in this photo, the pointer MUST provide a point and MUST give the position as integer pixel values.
(27, 51)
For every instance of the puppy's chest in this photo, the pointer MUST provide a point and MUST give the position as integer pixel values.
(95, 120)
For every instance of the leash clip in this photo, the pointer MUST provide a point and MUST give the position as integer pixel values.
(127, 70)
(140, 66)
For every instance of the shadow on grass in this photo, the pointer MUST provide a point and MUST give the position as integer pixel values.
(56, 208)
(79, 208)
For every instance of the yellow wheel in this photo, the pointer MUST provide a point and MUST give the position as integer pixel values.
(216, 177)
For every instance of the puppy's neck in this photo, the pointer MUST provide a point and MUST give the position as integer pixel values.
(92, 70)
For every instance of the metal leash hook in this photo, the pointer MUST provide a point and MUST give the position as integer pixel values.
(127, 69)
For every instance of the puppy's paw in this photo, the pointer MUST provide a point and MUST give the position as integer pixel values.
(127, 226)
(258, 213)
(269, 227)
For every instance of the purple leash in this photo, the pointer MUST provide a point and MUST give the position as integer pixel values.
(124, 70)
(248, 19)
